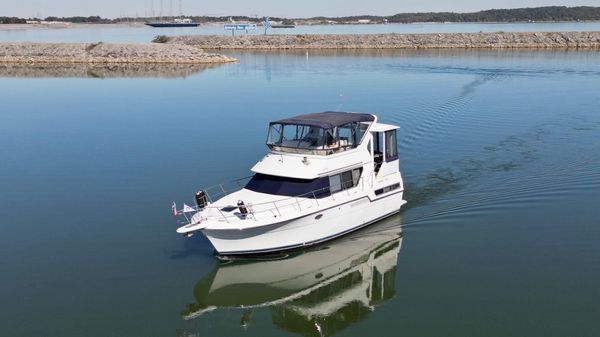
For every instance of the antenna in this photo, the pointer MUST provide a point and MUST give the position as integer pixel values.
(341, 96)
(180, 12)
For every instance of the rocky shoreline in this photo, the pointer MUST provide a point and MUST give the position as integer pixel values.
(106, 53)
(190, 49)
(589, 40)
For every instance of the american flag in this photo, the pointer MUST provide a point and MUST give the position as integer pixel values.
(174, 209)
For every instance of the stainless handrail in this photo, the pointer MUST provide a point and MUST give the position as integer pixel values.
(222, 190)
(277, 205)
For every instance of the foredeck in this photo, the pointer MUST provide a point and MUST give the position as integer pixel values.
(264, 209)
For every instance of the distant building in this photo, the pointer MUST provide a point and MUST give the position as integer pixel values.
(182, 20)
(364, 21)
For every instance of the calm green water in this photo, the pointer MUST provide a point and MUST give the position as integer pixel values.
(500, 152)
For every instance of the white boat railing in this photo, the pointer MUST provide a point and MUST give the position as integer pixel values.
(216, 192)
(277, 208)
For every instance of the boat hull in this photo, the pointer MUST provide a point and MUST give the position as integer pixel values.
(314, 228)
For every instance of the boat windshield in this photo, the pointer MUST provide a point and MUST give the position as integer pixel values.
(309, 139)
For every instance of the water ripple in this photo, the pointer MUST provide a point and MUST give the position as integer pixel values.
(516, 175)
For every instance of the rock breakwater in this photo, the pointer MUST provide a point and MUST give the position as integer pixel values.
(106, 53)
(396, 41)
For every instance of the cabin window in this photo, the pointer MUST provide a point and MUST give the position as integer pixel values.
(275, 134)
(310, 136)
(377, 151)
(378, 146)
(335, 183)
(344, 180)
(347, 181)
(349, 135)
(391, 147)
(306, 188)
(330, 139)
(361, 131)
(387, 189)
(291, 134)
(290, 187)
(356, 176)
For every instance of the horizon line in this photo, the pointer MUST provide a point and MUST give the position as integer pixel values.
(209, 15)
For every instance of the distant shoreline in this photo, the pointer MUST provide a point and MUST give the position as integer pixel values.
(508, 15)
(67, 25)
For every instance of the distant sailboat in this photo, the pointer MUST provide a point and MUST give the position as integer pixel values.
(176, 22)
(282, 26)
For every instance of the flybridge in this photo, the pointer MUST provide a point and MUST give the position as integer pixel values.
(321, 133)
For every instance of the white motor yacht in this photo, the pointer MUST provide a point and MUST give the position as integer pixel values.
(326, 174)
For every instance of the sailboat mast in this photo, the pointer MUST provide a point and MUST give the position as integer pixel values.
(161, 10)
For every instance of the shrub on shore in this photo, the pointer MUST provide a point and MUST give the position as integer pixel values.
(160, 39)
(91, 46)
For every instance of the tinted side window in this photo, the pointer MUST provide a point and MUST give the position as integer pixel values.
(347, 180)
(391, 147)
(289, 186)
(335, 183)
(344, 180)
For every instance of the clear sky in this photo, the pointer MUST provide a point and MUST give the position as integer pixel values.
(297, 8)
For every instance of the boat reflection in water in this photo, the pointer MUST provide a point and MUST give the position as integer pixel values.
(316, 292)
(117, 70)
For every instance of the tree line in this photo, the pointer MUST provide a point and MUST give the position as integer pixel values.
(8, 19)
(549, 13)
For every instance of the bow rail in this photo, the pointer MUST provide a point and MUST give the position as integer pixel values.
(268, 209)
